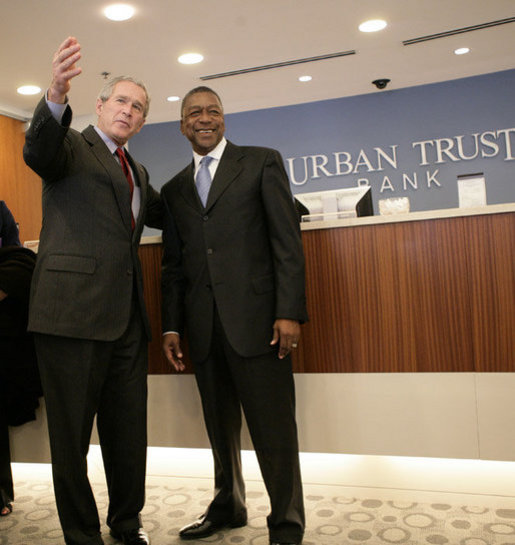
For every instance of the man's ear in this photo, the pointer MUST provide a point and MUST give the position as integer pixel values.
(98, 107)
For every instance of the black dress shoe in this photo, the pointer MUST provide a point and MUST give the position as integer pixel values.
(204, 527)
(136, 536)
(281, 543)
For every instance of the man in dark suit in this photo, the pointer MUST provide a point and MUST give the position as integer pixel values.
(87, 309)
(233, 275)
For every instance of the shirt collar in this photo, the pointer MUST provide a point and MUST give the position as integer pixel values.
(215, 153)
(107, 141)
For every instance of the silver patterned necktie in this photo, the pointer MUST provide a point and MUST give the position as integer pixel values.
(203, 180)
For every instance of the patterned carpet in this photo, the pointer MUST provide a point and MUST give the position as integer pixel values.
(333, 517)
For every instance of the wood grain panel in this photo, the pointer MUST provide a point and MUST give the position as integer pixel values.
(434, 292)
(397, 300)
(424, 296)
(20, 187)
(150, 256)
(492, 291)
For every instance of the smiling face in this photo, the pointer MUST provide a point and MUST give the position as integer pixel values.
(122, 114)
(202, 121)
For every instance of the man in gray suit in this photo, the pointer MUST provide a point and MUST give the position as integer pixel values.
(233, 276)
(87, 309)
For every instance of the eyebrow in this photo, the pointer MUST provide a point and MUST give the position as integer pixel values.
(197, 106)
(125, 97)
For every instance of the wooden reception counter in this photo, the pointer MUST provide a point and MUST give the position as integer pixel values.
(418, 292)
(408, 314)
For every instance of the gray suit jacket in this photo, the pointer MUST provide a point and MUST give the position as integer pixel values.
(87, 266)
(242, 252)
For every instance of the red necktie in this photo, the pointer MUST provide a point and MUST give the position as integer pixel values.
(127, 171)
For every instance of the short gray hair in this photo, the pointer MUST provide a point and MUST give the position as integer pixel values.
(108, 88)
(200, 89)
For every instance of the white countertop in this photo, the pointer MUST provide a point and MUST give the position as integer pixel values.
(394, 218)
(410, 216)
(370, 220)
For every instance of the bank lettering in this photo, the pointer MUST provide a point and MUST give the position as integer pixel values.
(428, 154)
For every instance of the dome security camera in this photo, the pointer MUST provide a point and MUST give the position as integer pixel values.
(381, 83)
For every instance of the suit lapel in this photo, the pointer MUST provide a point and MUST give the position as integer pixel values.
(188, 189)
(226, 173)
(111, 165)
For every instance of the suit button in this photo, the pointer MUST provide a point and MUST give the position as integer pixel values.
(205, 218)
(209, 251)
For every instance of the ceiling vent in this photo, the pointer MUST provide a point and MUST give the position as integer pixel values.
(458, 31)
(278, 65)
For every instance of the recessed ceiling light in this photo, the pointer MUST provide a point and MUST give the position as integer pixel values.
(190, 58)
(462, 50)
(29, 90)
(305, 78)
(173, 99)
(119, 12)
(373, 25)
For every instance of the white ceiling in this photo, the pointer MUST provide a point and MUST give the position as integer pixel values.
(238, 34)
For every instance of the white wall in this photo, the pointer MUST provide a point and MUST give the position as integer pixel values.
(440, 415)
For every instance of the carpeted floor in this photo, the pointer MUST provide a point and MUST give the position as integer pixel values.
(334, 517)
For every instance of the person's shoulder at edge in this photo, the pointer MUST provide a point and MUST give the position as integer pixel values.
(254, 149)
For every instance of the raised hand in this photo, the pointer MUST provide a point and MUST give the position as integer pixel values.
(64, 69)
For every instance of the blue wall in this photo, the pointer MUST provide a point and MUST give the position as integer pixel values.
(365, 134)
